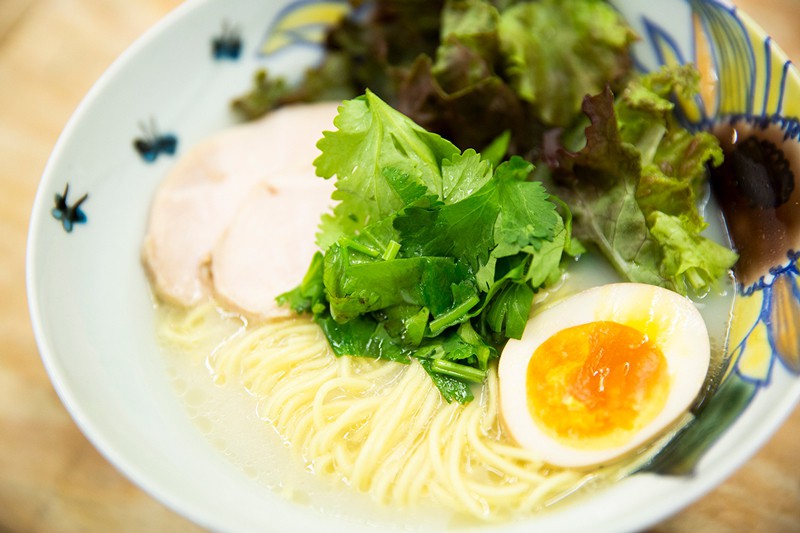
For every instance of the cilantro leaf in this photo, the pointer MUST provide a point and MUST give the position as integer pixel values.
(362, 337)
(463, 174)
(309, 296)
(355, 286)
(371, 136)
(507, 211)
(526, 217)
(452, 388)
(509, 310)
(464, 229)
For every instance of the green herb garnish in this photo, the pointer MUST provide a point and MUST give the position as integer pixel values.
(431, 253)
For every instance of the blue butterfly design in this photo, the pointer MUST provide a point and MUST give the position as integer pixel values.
(69, 215)
(228, 45)
(153, 143)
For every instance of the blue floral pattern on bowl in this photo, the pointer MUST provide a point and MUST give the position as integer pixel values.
(749, 90)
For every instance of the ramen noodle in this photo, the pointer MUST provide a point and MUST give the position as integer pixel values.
(380, 427)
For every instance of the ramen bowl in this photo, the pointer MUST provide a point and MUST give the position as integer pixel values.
(95, 321)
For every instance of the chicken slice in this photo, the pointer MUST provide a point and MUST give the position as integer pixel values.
(208, 186)
(269, 245)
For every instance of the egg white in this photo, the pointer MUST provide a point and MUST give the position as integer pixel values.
(669, 320)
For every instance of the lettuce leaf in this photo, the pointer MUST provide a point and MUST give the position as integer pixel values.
(557, 51)
(637, 185)
(691, 261)
(364, 50)
(673, 159)
(468, 70)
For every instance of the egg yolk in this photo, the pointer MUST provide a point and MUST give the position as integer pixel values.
(594, 384)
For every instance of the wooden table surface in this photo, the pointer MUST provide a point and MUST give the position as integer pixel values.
(51, 478)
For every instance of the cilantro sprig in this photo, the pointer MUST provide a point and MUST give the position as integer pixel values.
(430, 253)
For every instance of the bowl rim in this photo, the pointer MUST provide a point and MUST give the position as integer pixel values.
(47, 351)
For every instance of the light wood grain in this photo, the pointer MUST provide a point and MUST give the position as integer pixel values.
(51, 478)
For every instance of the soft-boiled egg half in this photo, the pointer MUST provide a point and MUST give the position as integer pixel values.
(602, 372)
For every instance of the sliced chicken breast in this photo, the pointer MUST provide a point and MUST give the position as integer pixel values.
(209, 185)
(269, 245)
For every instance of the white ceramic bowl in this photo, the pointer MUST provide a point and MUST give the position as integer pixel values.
(93, 315)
